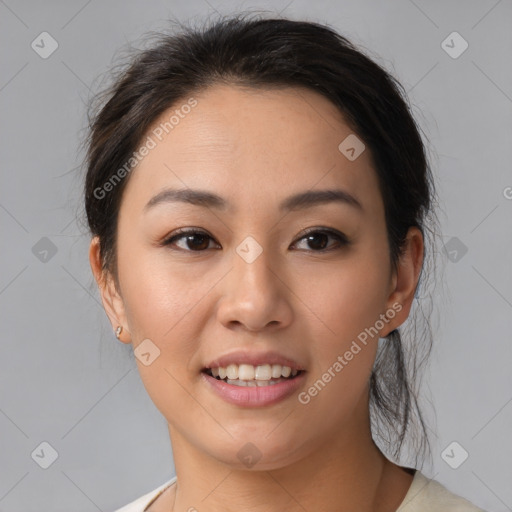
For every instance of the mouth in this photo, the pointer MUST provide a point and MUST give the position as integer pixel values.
(251, 386)
(246, 375)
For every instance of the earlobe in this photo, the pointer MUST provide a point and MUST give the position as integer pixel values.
(110, 297)
(405, 280)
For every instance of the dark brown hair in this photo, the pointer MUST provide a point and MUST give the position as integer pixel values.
(253, 51)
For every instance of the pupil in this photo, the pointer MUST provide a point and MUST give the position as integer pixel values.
(202, 239)
(315, 236)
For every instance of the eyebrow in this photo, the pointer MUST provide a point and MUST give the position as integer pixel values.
(299, 201)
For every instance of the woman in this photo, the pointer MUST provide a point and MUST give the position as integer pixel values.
(258, 195)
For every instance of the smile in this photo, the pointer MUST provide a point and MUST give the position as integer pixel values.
(250, 375)
(253, 386)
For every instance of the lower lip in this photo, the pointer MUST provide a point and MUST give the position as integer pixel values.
(254, 396)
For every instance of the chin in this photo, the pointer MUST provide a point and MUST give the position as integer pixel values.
(258, 453)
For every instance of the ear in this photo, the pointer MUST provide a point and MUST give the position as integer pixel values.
(405, 280)
(110, 297)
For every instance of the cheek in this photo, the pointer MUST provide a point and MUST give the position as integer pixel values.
(344, 307)
(345, 348)
(349, 297)
(165, 305)
(158, 296)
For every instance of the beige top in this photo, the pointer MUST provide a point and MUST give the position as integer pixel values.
(424, 495)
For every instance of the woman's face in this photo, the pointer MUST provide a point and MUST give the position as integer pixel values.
(251, 281)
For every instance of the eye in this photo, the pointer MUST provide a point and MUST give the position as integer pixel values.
(199, 241)
(194, 240)
(318, 238)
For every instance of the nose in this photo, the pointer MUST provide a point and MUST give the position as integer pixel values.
(255, 294)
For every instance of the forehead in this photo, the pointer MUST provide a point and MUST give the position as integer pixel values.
(251, 145)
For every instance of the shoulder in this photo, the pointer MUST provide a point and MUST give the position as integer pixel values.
(428, 495)
(141, 503)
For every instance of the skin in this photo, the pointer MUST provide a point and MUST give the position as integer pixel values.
(255, 148)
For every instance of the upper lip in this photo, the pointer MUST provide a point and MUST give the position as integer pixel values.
(253, 358)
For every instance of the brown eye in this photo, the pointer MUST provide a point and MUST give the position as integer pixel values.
(318, 240)
(195, 241)
(199, 241)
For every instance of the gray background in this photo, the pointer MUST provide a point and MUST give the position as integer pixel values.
(65, 380)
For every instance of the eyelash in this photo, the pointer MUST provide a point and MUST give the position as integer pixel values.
(182, 233)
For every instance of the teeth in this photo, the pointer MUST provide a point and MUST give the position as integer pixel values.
(285, 372)
(263, 372)
(232, 371)
(252, 374)
(236, 382)
(276, 371)
(254, 383)
(246, 372)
